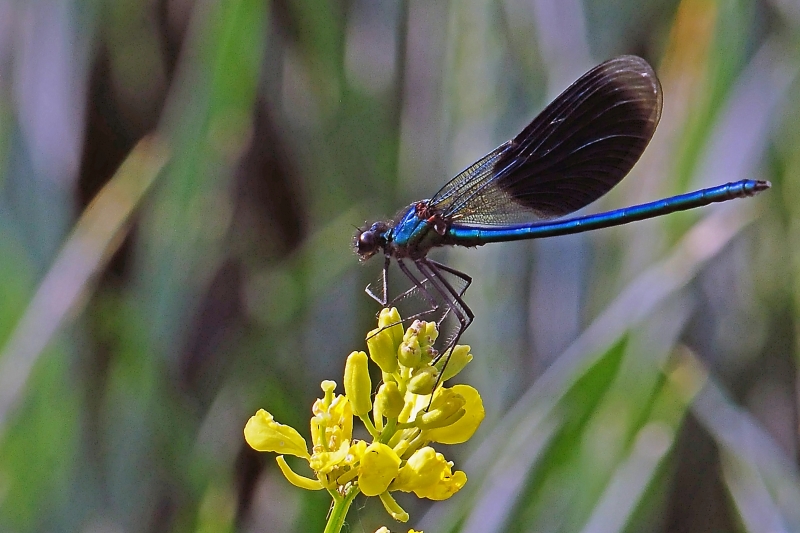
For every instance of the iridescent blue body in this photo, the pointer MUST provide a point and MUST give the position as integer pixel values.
(574, 152)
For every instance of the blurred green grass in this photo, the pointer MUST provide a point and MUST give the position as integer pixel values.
(635, 379)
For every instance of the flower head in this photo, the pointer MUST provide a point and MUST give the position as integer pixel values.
(411, 409)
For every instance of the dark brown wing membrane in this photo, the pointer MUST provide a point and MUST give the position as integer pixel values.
(570, 155)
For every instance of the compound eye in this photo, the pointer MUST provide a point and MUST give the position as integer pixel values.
(367, 242)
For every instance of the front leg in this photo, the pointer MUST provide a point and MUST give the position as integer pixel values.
(418, 286)
(384, 299)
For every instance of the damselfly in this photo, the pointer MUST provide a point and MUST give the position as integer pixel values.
(570, 155)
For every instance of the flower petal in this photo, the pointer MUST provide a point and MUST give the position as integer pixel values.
(428, 475)
(263, 434)
(379, 466)
(325, 462)
(463, 429)
(296, 479)
(392, 507)
(446, 487)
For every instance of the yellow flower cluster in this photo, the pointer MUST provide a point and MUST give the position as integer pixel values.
(406, 416)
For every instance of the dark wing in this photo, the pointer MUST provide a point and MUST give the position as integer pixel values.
(570, 155)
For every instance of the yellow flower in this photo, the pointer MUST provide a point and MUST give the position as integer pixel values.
(332, 423)
(429, 475)
(402, 421)
(462, 429)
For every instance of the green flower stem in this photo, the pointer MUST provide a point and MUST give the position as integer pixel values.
(370, 426)
(388, 431)
(341, 504)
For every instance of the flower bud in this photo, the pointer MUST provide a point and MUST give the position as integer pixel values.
(413, 330)
(455, 359)
(389, 400)
(410, 353)
(423, 380)
(390, 320)
(429, 353)
(428, 333)
(357, 385)
(383, 349)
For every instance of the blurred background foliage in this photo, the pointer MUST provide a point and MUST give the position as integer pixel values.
(179, 181)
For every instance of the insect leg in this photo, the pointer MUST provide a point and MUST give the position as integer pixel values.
(457, 273)
(452, 299)
(383, 300)
(418, 285)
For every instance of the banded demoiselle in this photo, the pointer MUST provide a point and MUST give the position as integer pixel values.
(570, 155)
